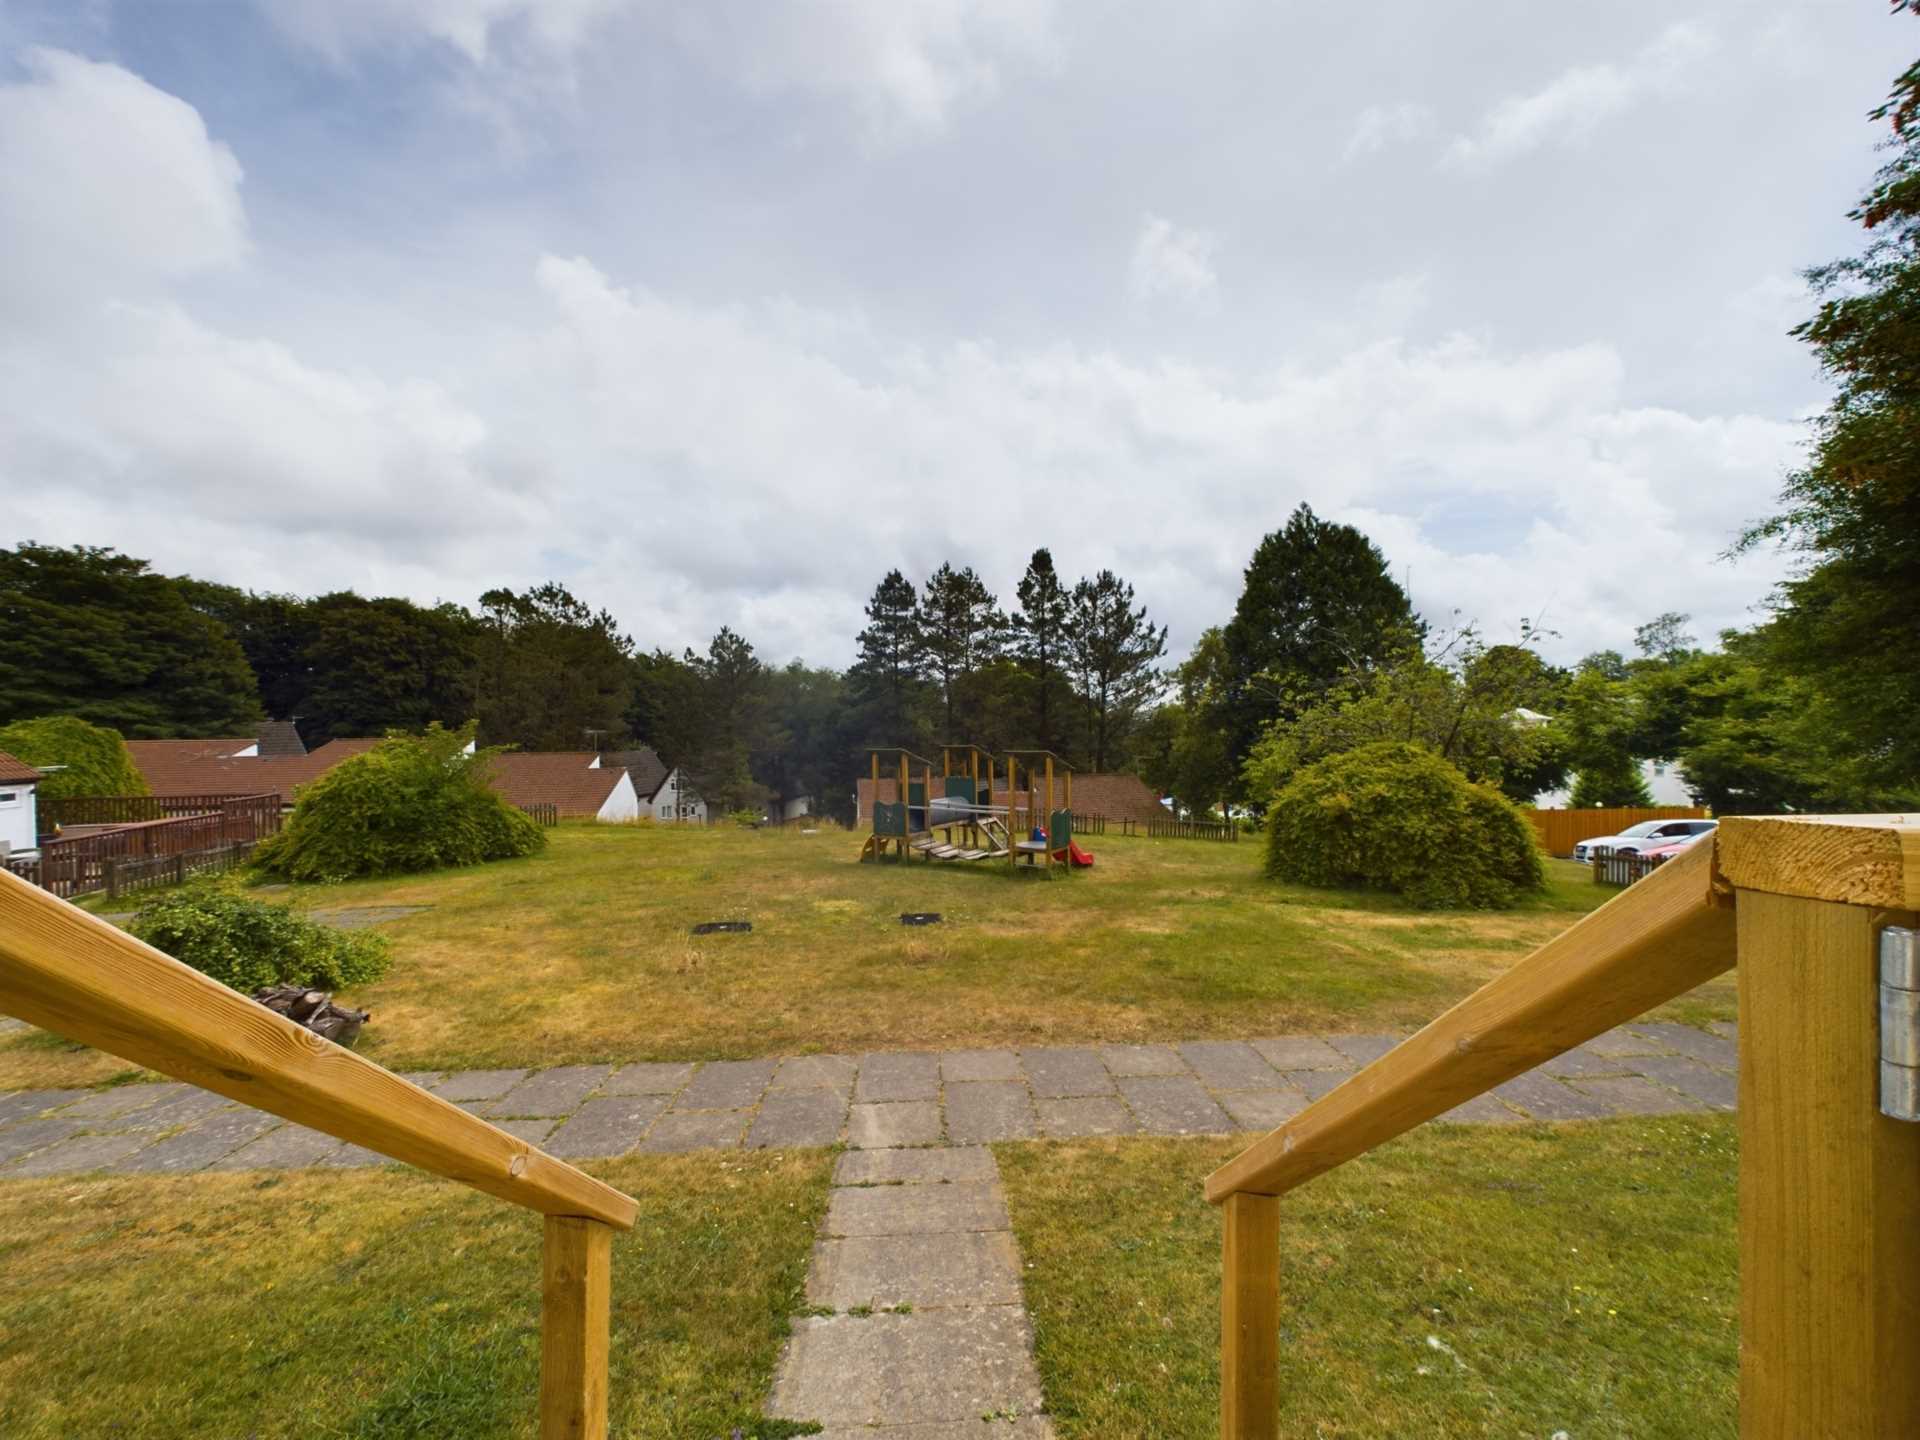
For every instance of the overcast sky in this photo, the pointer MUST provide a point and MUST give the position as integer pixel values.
(716, 312)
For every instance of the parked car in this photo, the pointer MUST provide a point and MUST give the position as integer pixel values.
(1647, 835)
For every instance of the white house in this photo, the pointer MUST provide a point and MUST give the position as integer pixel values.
(19, 806)
(664, 793)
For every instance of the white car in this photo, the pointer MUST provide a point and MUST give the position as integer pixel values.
(1647, 835)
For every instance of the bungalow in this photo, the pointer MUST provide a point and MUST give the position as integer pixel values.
(664, 793)
(19, 809)
(250, 765)
(575, 782)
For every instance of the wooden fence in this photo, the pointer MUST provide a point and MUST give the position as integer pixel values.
(135, 809)
(1089, 824)
(1172, 829)
(1561, 830)
(541, 812)
(79, 864)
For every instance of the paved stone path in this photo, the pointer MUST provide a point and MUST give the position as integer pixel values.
(882, 1100)
(921, 1329)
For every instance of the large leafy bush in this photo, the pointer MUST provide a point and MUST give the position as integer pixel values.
(249, 945)
(1395, 816)
(90, 759)
(413, 802)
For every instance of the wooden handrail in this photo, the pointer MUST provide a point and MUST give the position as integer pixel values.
(1657, 940)
(73, 973)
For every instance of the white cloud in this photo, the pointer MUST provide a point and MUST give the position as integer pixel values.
(107, 185)
(478, 29)
(904, 67)
(1379, 126)
(1572, 105)
(1170, 261)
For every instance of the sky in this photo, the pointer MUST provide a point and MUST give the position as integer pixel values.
(717, 312)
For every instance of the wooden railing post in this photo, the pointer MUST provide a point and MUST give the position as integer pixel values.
(1829, 1187)
(1250, 1317)
(575, 1298)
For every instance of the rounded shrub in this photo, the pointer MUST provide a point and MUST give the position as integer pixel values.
(79, 758)
(413, 802)
(249, 945)
(1395, 816)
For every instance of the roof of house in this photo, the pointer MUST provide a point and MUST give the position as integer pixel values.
(14, 771)
(565, 779)
(210, 767)
(644, 765)
(279, 740)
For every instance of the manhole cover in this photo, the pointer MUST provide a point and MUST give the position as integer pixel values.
(723, 927)
(921, 918)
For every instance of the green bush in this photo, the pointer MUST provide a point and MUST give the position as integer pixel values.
(249, 944)
(1395, 816)
(93, 759)
(413, 802)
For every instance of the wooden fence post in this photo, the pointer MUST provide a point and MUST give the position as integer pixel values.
(1829, 1187)
(575, 1301)
(1250, 1318)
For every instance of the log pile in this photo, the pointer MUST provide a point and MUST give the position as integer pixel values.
(315, 1010)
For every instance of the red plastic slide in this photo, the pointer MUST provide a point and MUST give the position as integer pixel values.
(1077, 855)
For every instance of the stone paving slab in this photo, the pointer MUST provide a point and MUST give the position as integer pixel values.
(910, 1075)
(886, 1100)
(554, 1092)
(801, 1117)
(925, 1271)
(897, 1122)
(1229, 1065)
(649, 1078)
(1027, 1427)
(287, 1148)
(1062, 1071)
(74, 1156)
(610, 1125)
(1080, 1115)
(946, 1365)
(1364, 1049)
(989, 1110)
(915, 1209)
(940, 1166)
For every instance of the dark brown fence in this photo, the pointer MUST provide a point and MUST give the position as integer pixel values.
(1172, 829)
(1089, 824)
(542, 812)
(80, 864)
(1623, 867)
(134, 809)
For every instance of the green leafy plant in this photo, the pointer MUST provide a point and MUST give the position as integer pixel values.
(1394, 816)
(248, 944)
(79, 758)
(413, 802)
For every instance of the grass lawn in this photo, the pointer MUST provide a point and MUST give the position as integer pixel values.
(1462, 1281)
(582, 953)
(384, 1303)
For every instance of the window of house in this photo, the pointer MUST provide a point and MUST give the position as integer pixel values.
(9, 797)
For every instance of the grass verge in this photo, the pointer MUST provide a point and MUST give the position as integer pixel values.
(1463, 1281)
(385, 1303)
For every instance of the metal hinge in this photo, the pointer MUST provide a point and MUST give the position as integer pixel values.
(1900, 1023)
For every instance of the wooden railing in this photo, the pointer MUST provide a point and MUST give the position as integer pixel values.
(131, 809)
(1173, 829)
(77, 976)
(541, 812)
(1829, 1186)
(82, 864)
(1622, 867)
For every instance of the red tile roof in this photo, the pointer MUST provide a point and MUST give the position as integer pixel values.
(562, 778)
(17, 772)
(208, 767)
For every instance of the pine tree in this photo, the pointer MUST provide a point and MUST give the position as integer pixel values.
(1042, 640)
(1115, 651)
(885, 676)
(961, 631)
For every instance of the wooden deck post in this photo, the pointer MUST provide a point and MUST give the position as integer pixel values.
(1250, 1318)
(1829, 1187)
(575, 1299)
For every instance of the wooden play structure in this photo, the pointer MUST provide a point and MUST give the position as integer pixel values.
(956, 818)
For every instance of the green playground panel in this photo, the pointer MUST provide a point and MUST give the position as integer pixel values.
(889, 819)
(960, 787)
(1060, 829)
